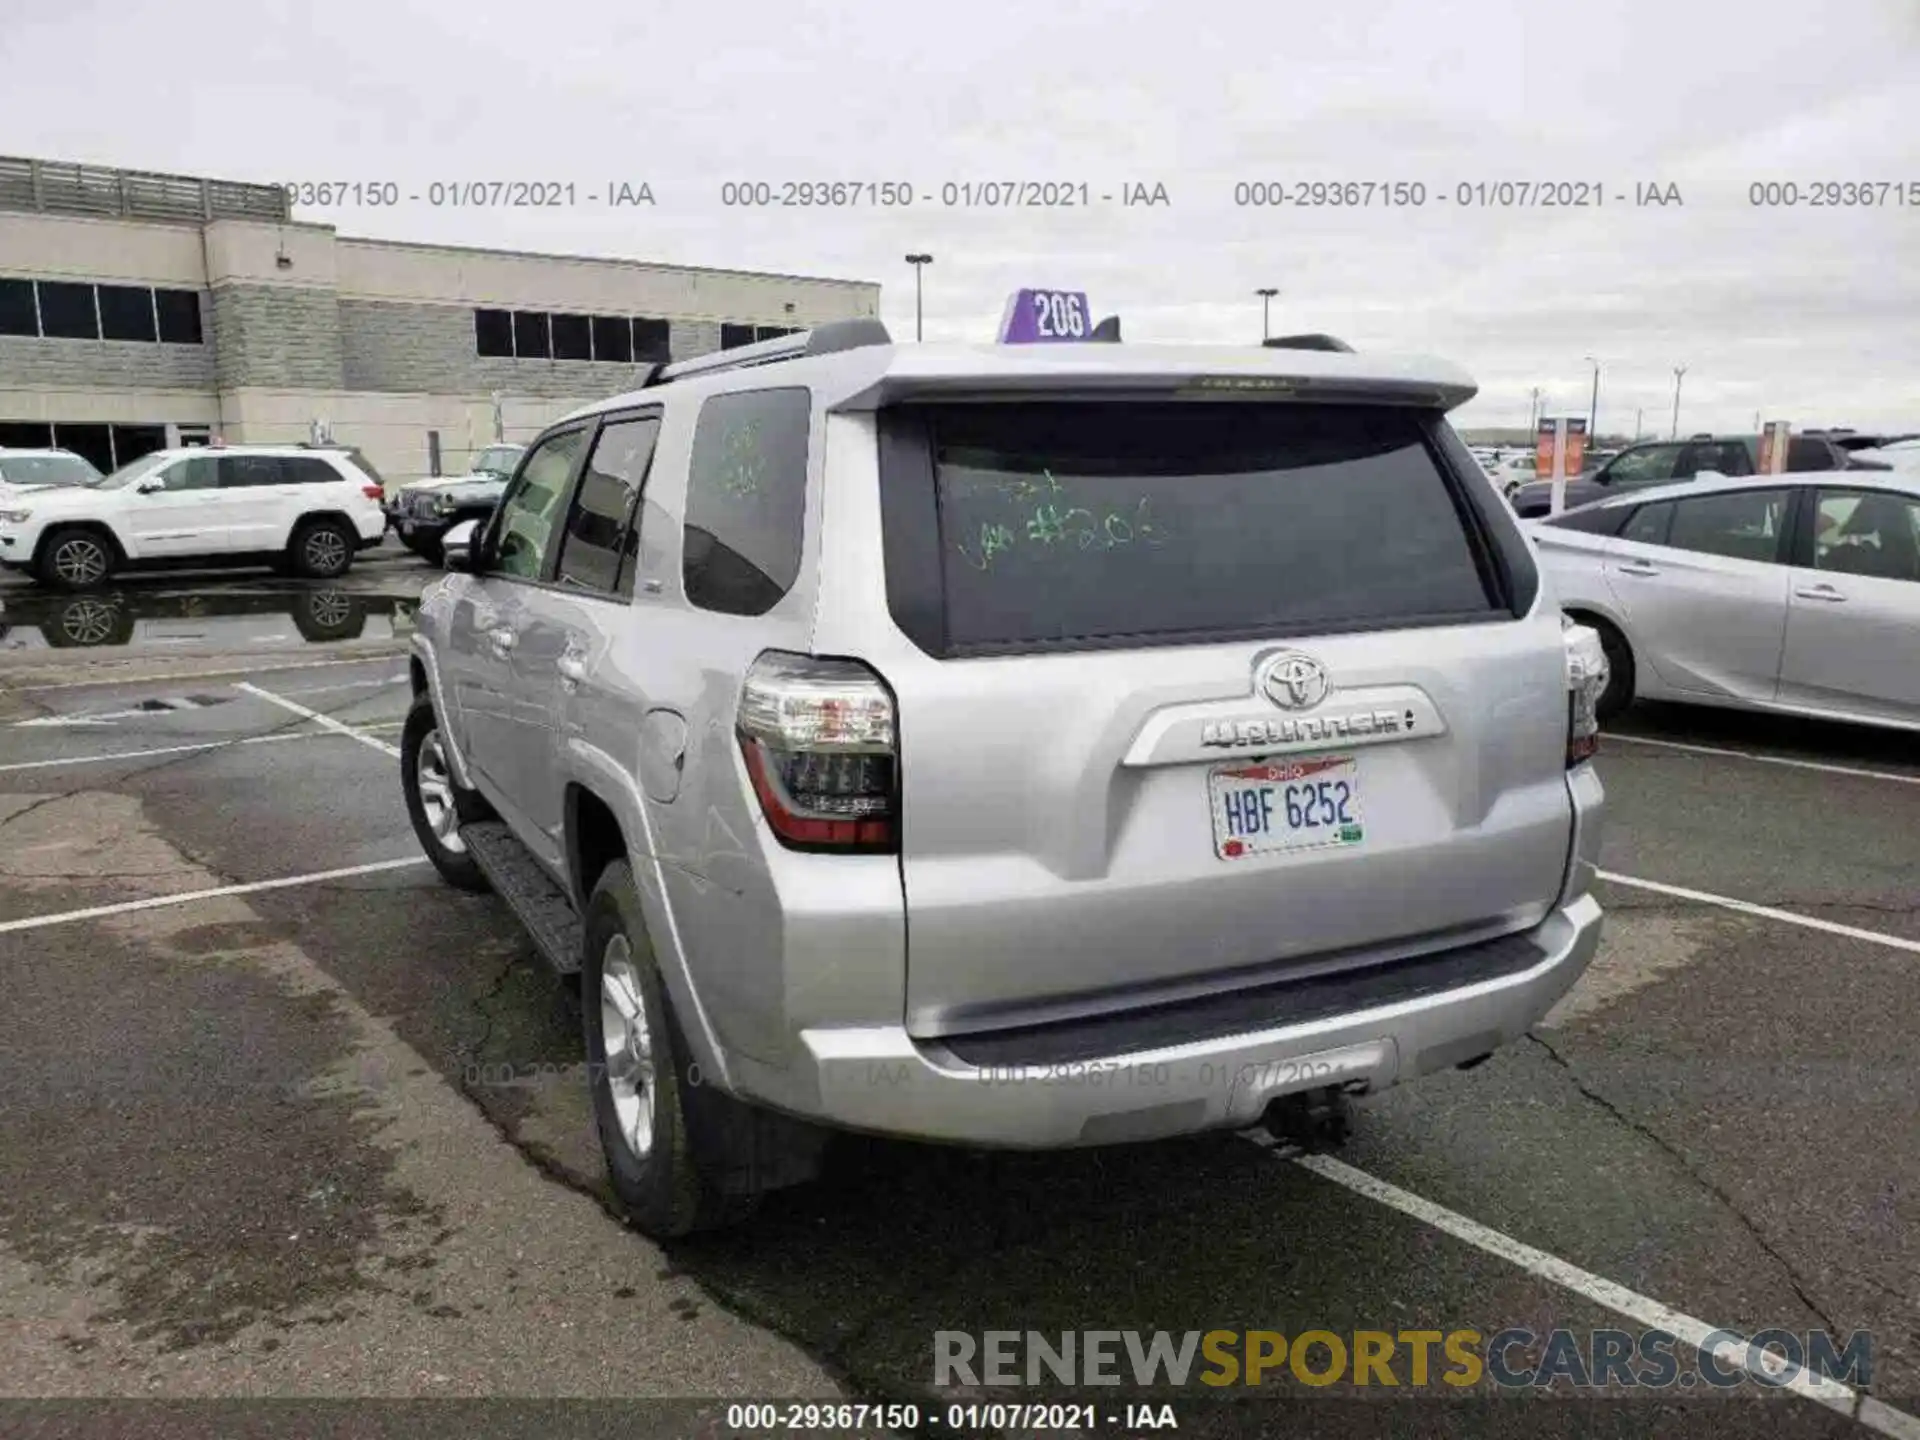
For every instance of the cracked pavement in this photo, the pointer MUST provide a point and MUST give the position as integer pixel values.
(334, 1140)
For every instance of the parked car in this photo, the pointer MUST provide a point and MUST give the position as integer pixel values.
(32, 469)
(1784, 593)
(1661, 462)
(307, 509)
(883, 755)
(422, 514)
(1902, 455)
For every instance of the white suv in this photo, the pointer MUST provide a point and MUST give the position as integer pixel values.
(307, 509)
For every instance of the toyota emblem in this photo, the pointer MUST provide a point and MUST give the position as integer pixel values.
(1292, 681)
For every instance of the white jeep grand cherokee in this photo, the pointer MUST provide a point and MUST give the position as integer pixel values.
(304, 508)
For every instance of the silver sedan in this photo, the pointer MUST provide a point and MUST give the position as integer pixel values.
(1797, 593)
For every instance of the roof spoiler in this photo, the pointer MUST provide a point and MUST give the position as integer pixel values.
(1308, 342)
(828, 339)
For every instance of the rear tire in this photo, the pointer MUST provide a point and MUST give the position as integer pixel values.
(75, 558)
(322, 549)
(641, 1077)
(1619, 692)
(436, 804)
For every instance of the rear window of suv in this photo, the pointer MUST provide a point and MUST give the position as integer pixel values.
(1104, 523)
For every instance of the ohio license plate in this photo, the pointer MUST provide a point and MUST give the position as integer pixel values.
(1267, 805)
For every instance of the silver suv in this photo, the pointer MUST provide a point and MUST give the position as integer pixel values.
(1010, 746)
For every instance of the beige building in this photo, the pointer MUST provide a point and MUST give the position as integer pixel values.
(141, 310)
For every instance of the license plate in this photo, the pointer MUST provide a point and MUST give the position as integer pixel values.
(1267, 805)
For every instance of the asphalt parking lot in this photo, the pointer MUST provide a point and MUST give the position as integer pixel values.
(281, 1114)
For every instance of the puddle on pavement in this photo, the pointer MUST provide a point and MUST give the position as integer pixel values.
(230, 619)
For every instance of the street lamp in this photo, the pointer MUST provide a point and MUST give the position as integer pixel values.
(1593, 407)
(918, 262)
(1533, 410)
(1678, 371)
(1266, 294)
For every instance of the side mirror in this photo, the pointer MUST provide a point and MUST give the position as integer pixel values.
(456, 546)
(151, 484)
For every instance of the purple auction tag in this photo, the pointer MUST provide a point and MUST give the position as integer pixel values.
(1046, 317)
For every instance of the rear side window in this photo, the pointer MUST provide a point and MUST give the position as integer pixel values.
(1592, 519)
(1124, 522)
(247, 471)
(1649, 524)
(1740, 524)
(746, 500)
(601, 534)
(308, 470)
(1808, 454)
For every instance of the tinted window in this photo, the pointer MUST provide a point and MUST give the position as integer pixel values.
(1649, 465)
(493, 332)
(733, 336)
(530, 335)
(1104, 521)
(612, 338)
(1741, 524)
(1649, 524)
(196, 472)
(1727, 457)
(240, 472)
(1867, 533)
(17, 315)
(601, 532)
(1806, 454)
(1592, 519)
(524, 523)
(650, 339)
(179, 312)
(307, 470)
(126, 313)
(67, 311)
(572, 338)
(746, 500)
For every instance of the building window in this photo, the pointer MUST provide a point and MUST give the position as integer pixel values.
(612, 339)
(66, 311)
(179, 314)
(732, 336)
(770, 332)
(126, 313)
(572, 337)
(493, 333)
(17, 313)
(651, 341)
(530, 340)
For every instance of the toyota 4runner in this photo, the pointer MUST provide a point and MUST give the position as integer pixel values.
(1009, 746)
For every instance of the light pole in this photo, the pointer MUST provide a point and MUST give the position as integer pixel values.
(1533, 410)
(1638, 416)
(1266, 294)
(1678, 371)
(918, 262)
(1593, 406)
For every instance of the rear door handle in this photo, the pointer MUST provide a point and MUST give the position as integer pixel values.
(1638, 567)
(1819, 592)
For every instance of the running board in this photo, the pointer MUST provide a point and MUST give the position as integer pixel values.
(541, 906)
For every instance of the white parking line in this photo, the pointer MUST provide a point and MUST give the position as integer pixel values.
(1766, 912)
(188, 749)
(1819, 765)
(1725, 1345)
(324, 721)
(158, 902)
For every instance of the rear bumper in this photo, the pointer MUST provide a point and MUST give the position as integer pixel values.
(878, 1078)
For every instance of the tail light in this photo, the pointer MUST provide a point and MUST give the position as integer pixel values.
(821, 748)
(373, 492)
(1587, 674)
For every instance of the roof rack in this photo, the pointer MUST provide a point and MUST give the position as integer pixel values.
(1308, 342)
(828, 339)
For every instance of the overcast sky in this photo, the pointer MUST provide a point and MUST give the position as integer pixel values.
(1811, 315)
